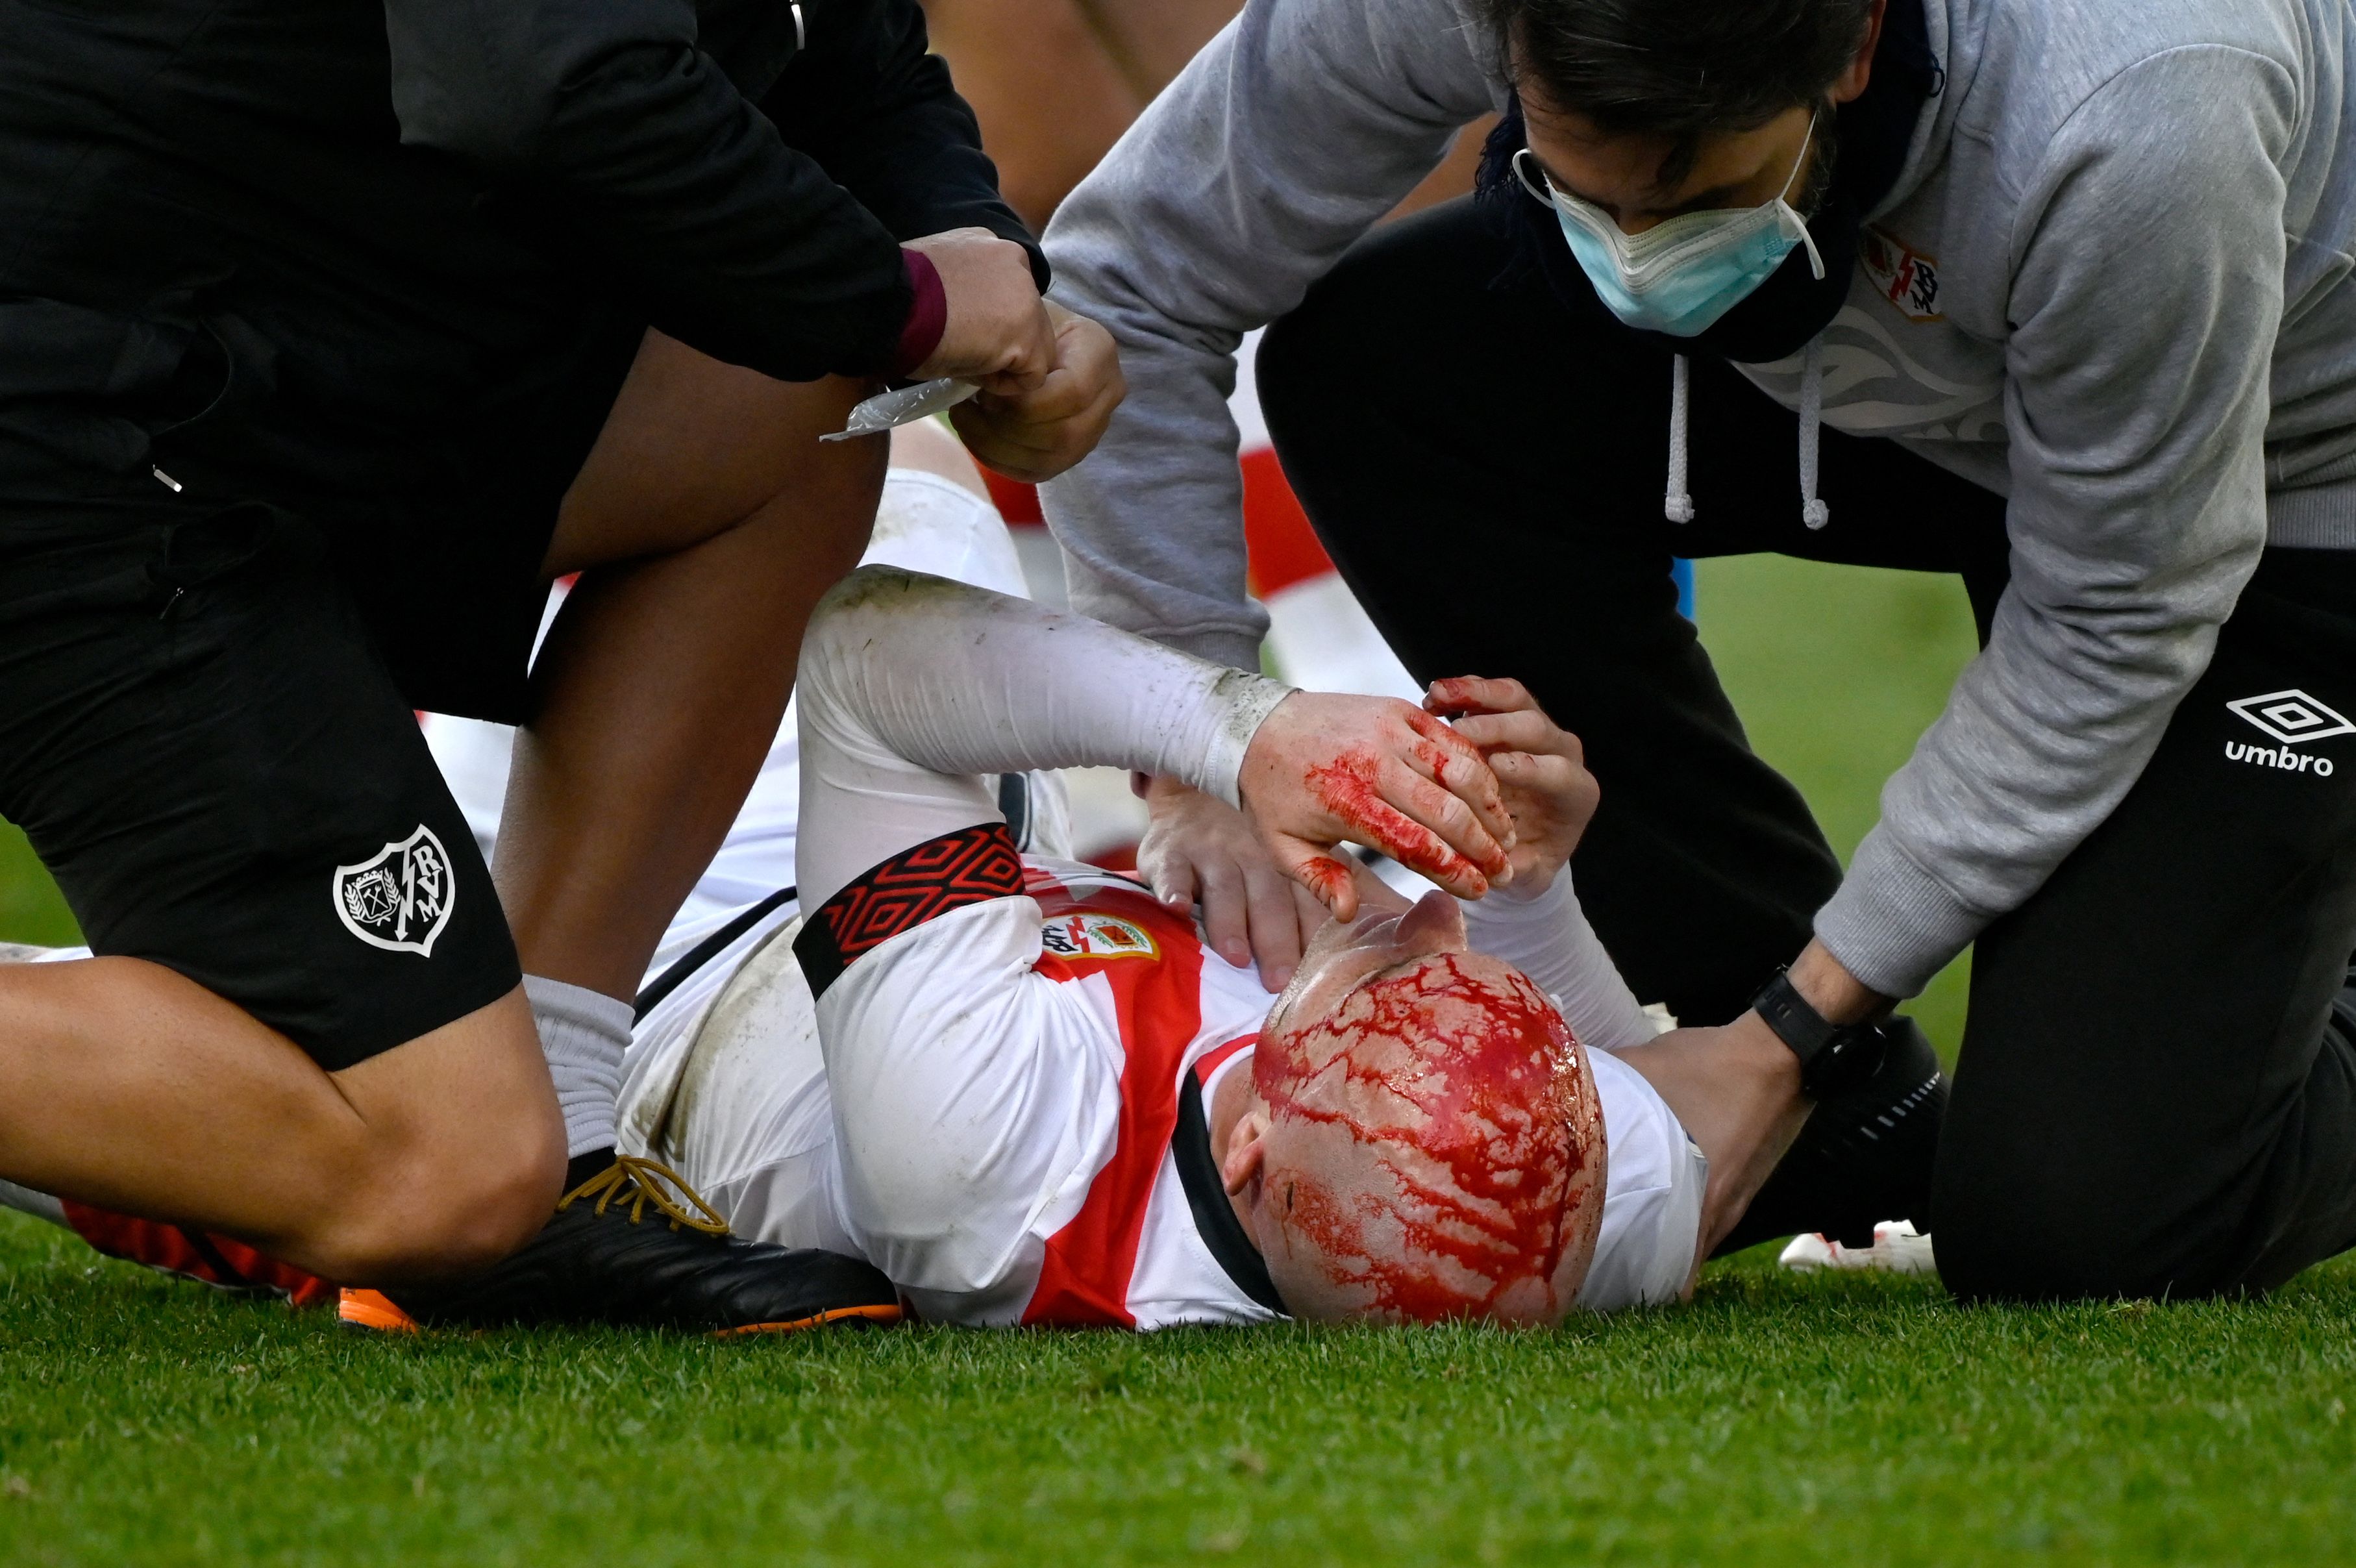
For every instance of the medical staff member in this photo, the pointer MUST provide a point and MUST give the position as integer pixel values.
(2053, 297)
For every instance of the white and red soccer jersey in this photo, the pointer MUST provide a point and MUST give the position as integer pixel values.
(1008, 1113)
(1008, 1047)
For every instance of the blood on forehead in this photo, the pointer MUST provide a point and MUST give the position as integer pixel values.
(1441, 1148)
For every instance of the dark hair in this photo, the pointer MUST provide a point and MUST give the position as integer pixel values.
(1678, 68)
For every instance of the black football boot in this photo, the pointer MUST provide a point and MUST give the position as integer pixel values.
(1863, 1158)
(636, 1245)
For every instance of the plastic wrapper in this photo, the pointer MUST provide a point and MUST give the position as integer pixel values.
(887, 411)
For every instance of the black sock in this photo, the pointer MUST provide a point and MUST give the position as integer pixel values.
(581, 1167)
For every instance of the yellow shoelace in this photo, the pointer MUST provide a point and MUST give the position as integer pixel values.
(639, 1182)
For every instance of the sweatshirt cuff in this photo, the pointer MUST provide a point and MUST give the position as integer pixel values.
(928, 316)
(1892, 924)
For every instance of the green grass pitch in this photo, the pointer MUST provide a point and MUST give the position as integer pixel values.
(1776, 1419)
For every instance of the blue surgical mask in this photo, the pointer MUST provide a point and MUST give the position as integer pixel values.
(1678, 277)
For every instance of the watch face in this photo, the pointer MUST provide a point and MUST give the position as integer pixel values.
(1852, 1056)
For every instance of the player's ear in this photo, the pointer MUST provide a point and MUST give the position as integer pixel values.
(1246, 1152)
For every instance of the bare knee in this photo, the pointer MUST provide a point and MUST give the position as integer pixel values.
(464, 1154)
(695, 450)
(441, 1218)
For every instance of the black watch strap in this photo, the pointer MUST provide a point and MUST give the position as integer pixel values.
(1833, 1056)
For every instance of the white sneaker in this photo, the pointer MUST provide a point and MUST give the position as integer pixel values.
(1897, 1249)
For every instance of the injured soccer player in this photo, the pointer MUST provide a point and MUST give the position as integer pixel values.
(1027, 1091)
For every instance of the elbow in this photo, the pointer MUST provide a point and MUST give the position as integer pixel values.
(842, 618)
(856, 613)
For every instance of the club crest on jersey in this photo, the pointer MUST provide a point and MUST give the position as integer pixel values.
(400, 899)
(1085, 935)
(1906, 278)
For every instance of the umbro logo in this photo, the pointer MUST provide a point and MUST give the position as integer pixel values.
(2292, 718)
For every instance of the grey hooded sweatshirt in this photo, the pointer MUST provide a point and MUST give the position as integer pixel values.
(2111, 283)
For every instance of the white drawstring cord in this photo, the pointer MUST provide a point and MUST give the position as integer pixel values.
(1678, 506)
(1790, 220)
(1813, 512)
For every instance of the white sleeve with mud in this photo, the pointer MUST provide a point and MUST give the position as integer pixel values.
(911, 686)
(1549, 938)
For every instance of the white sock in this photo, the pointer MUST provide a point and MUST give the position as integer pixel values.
(583, 1033)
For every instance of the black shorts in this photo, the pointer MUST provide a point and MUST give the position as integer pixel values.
(207, 695)
(208, 747)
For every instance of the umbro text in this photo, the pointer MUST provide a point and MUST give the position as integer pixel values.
(2283, 756)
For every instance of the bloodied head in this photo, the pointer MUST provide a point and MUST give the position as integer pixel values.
(1430, 1144)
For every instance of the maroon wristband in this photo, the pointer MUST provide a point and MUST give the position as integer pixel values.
(928, 317)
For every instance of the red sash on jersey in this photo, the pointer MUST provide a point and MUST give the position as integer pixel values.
(1084, 1280)
(1084, 1277)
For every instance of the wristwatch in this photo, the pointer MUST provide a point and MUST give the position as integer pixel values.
(1833, 1056)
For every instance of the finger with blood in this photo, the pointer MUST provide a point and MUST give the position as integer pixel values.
(1346, 788)
(1441, 746)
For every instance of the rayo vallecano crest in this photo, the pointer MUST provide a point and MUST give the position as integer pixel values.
(401, 900)
(1087, 934)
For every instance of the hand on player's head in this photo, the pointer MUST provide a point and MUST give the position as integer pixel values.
(1324, 768)
(1541, 771)
(1426, 1143)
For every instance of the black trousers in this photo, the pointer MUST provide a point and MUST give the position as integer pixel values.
(2155, 1093)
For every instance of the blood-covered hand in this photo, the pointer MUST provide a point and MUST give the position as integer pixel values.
(1323, 768)
(1197, 848)
(1034, 433)
(1541, 772)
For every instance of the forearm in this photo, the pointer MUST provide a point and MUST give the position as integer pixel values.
(961, 680)
(1736, 1092)
(1151, 525)
(2045, 732)
(1549, 938)
(913, 686)
(1285, 139)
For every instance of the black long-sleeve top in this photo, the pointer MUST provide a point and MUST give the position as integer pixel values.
(766, 234)
(351, 226)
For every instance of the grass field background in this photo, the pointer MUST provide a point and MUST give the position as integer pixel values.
(1778, 1419)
